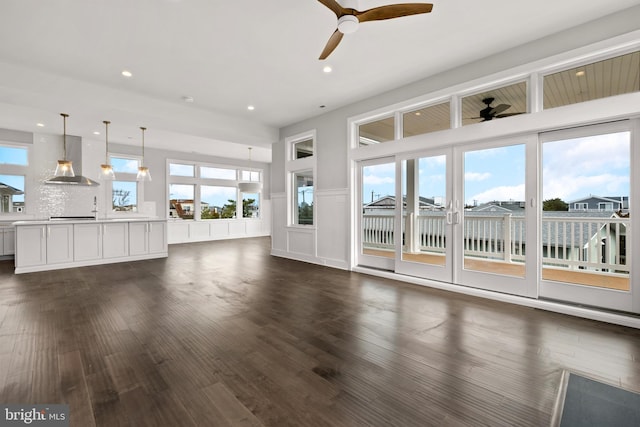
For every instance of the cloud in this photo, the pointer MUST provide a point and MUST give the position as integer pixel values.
(502, 193)
(476, 176)
(377, 180)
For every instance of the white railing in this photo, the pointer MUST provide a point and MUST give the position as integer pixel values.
(495, 237)
(586, 243)
(599, 244)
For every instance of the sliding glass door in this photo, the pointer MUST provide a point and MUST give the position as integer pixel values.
(586, 216)
(545, 215)
(495, 221)
(377, 210)
(427, 216)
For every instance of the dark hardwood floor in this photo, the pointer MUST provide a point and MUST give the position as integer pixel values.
(223, 334)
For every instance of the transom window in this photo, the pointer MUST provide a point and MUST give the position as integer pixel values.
(601, 79)
(14, 155)
(125, 164)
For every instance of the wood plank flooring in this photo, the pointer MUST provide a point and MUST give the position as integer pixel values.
(223, 334)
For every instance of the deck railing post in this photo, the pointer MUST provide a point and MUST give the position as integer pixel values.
(506, 237)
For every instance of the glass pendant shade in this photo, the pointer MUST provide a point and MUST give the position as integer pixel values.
(64, 168)
(143, 174)
(143, 171)
(106, 171)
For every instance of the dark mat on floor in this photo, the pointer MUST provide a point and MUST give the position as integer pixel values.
(592, 403)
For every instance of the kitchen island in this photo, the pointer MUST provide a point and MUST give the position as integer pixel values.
(56, 244)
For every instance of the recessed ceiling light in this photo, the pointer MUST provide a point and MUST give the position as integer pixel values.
(187, 98)
(40, 125)
(418, 113)
(327, 69)
(127, 73)
(580, 73)
(251, 108)
(95, 132)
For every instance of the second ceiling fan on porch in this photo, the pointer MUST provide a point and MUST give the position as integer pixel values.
(349, 18)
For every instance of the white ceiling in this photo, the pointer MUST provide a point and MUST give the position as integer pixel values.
(67, 56)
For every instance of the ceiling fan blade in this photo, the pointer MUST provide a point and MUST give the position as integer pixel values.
(331, 44)
(393, 11)
(499, 109)
(334, 6)
(500, 116)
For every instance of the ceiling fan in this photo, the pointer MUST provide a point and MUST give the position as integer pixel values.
(490, 113)
(349, 18)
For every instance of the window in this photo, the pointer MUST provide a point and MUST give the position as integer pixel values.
(495, 104)
(125, 164)
(605, 206)
(217, 202)
(200, 191)
(601, 79)
(253, 176)
(382, 130)
(177, 169)
(302, 149)
(181, 201)
(426, 119)
(13, 155)
(303, 195)
(580, 206)
(12, 193)
(124, 196)
(250, 205)
(218, 173)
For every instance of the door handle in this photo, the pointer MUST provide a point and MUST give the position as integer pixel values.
(457, 217)
(449, 218)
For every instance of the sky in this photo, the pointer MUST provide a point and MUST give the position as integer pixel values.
(571, 169)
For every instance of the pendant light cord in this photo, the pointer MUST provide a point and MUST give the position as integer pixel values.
(143, 129)
(64, 134)
(106, 139)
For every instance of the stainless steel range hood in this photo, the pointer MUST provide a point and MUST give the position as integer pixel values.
(74, 153)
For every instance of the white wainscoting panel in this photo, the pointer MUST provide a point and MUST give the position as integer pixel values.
(332, 215)
(279, 224)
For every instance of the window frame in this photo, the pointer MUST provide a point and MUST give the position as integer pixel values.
(294, 166)
(15, 169)
(198, 182)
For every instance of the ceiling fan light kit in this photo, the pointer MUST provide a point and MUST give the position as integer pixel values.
(348, 24)
(349, 18)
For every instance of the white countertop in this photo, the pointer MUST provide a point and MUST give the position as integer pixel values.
(83, 221)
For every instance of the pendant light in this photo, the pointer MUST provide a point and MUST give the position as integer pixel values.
(249, 187)
(143, 171)
(106, 170)
(64, 168)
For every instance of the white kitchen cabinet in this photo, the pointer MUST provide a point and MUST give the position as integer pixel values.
(7, 241)
(59, 243)
(87, 241)
(157, 235)
(115, 240)
(50, 245)
(138, 241)
(147, 237)
(31, 246)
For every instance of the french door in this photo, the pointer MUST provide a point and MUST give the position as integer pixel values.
(543, 216)
(462, 216)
